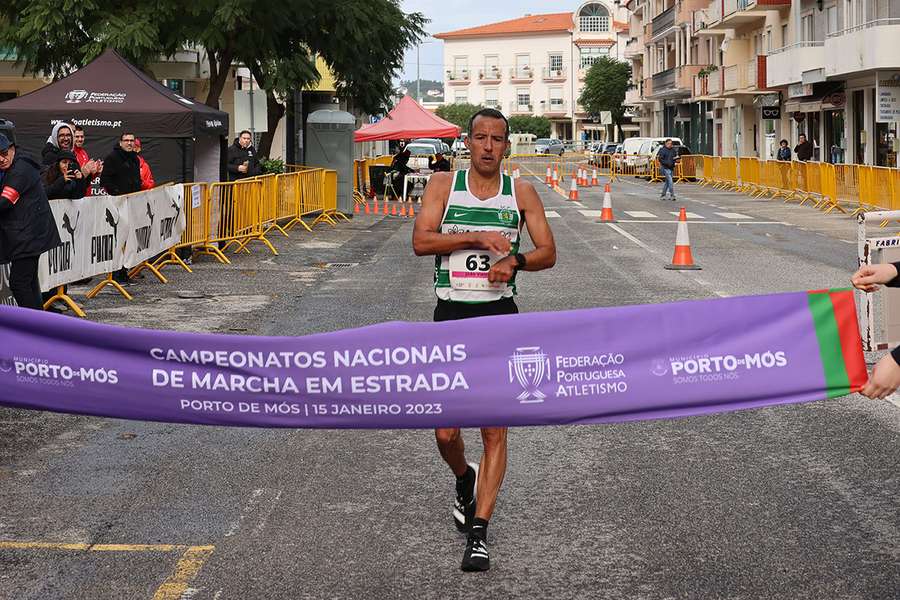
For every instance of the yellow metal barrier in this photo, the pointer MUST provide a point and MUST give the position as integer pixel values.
(236, 215)
(196, 229)
(631, 165)
(750, 176)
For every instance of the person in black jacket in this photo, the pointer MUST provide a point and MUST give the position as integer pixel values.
(803, 150)
(242, 159)
(61, 139)
(27, 227)
(439, 163)
(65, 179)
(121, 170)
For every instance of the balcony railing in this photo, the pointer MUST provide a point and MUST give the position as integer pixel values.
(458, 76)
(663, 20)
(521, 74)
(869, 25)
(707, 17)
(714, 83)
(520, 109)
(556, 108)
(549, 74)
(491, 74)
(664, 81)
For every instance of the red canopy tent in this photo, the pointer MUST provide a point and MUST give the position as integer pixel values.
(406, 121)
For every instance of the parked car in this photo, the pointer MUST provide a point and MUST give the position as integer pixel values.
(600, 148)
(437, 144)
(419, 154)
(549, 146)
(649, 149)
(459, 147)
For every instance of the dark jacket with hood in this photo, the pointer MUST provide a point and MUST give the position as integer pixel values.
(237, 154)
(56, 185)
(121, 172)
(27, 227)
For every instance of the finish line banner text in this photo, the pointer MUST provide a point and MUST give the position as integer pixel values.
(598, 365)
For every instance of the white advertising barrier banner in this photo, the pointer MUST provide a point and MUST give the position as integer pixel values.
(156, 221)
(93, 232)
(6, 297)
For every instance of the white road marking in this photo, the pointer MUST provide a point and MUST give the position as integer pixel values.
(731, 215)
(551, 213)
(696, 222)
(690, 215)
(630, 237)
(577, 203)
(640, 214)
(592, 214)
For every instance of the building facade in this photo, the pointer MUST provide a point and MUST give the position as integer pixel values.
(734, 77)
(535, 65)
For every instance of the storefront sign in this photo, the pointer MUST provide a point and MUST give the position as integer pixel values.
(887, 92)
(771, 112)
(798, 90)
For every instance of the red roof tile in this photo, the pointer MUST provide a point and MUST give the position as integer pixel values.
(523, 25)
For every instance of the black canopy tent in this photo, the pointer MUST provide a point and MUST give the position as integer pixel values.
(182, 140)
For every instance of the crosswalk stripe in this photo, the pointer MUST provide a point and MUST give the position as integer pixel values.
(690, 215)
(640, 214)
(551, 213)
(730, 215)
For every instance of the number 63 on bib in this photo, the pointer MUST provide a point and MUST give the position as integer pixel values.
(469, 270)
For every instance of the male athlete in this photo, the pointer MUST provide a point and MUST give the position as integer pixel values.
(471, 221)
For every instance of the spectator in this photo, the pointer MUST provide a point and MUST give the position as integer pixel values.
(804, 149)
(242, 160)
(122, 175)
(65, 179)
(84, 158)
(400, 167)
(784, 152)
(121, 168)
(439, 163)
(27, 227)
(147, 182)
(61, 138)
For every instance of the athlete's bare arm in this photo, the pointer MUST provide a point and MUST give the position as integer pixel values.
(427, 238)
(544, 254)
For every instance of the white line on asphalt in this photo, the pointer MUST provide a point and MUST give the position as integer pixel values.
(690, 215)
(630, 237)
(254, 498)
(577, 203)
(640, 214)
(551, 213)
(733, 215)
(721, 294)
(597, 214)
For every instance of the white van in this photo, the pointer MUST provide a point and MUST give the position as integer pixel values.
(631, 147)
(649, 148)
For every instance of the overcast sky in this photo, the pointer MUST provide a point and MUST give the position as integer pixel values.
(457, 14)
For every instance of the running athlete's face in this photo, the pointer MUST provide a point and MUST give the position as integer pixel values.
(487, 144)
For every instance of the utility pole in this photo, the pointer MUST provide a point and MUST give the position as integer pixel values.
(418, 76)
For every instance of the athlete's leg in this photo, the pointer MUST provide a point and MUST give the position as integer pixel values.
(492, 470)
(453, 451)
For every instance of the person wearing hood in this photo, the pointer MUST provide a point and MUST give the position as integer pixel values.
(65, 179)
(27, 226)
(62, 139)
(147, 182)
(121, 168)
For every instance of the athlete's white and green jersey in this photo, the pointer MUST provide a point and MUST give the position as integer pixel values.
(464, 213)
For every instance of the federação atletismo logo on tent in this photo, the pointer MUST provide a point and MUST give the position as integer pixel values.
(84, 96)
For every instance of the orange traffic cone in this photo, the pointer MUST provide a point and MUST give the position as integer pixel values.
(403, 209)
(386, 208)
(682, 259)
(356, 208)
(573, 189)
(594, 181)
(549, 179)
(412, 213)
(394, 210)
(606, 213)
(376, 205)
(368, 210)
(581, 180)
(555, 181)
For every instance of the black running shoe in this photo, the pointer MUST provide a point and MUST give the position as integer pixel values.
(476, 556)
(463, 510)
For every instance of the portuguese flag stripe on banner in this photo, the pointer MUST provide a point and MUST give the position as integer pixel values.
(834, 316)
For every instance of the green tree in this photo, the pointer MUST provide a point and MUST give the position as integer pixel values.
(458, 113)
(539, 126)
(276, 40)
(604, 89)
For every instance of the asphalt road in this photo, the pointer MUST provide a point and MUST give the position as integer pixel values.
(787, 502)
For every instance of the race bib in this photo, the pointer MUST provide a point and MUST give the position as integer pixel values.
(469, 270)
